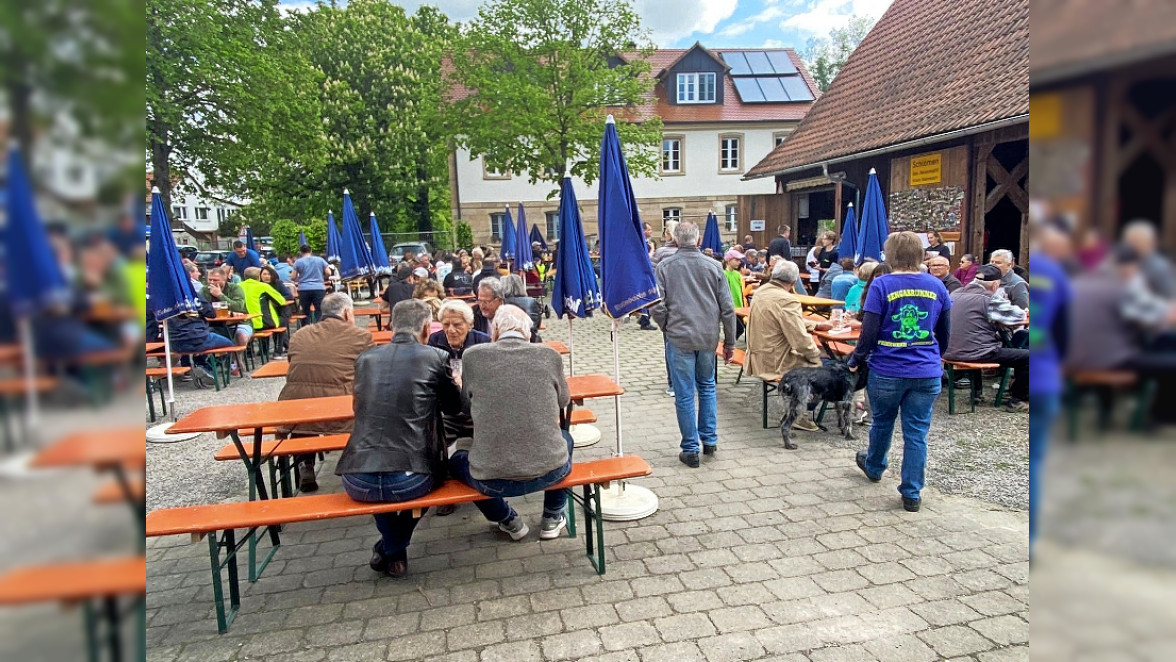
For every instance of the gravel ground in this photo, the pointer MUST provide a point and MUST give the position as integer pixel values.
(983, 455)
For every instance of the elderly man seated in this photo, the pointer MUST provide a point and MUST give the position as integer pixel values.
(939, 267)
(518, 446)
(490, 297)
(779, 338)
(322, 363)
(396, 451)
(977, 318)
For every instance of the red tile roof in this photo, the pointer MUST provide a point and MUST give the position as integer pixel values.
(927, 67)
(1075, 37)
(731, 110)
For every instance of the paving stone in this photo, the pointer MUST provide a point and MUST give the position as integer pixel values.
(955, 640)
(838, 581)
(886, 573)
(705, 578)
(692, 601)
(851, 653)
(660, 585)
(533, 626)
(556, 599)
(791, 588)
(444, 618)
(518, 651)
(643, 608)
(993, 603)
(592, 616)
(572, 646)
(371, 651)
(1003, 630)
(494, 609)
(946, 612)
(731, 647)
(900, 648)
(388, 627)
(738, 619)
(628, 635)
(684, 626)
(477, 634)
(683, 651)
(890, 595)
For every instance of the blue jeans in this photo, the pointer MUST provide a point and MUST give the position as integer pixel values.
(1044, 408)
(212, 341)
(914, 398)
(395, 528)
(690, 373)
(496, 509)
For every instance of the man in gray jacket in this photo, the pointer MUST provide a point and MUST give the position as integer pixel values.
(695, 302)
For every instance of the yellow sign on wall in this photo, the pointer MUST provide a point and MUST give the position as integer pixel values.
(927, 169)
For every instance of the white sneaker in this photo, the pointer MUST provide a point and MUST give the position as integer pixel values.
(515, 527)
(670, 392)
(551, 528)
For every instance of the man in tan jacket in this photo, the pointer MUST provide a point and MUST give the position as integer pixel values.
(322, 363)
(779, 338)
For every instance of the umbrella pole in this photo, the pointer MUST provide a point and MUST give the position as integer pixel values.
(171, 392)
(571, 351)
(30, 367)
(622, 502)
(584, 434)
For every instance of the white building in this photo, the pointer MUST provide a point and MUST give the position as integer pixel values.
(722, 112)
(200, 209)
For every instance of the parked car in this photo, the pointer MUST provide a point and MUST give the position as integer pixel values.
(210, 259)
(188, 252)
(417, 247)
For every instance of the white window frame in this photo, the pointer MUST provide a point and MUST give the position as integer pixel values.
(731, 213)
(681, 169)
(779, 137)
(180, 212)
(497, 219)
(725, 165)
(689, 87)
(202, 213)
(670, 214)
(552, 224)
(490, 174)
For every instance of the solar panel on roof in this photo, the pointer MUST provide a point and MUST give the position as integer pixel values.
(773, 89)
(749, 90)
(796, 88)
(781, 62)
(737, 62)
(758, 61)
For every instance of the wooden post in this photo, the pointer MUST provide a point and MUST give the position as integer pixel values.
(980, 153)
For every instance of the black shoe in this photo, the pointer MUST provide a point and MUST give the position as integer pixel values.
(306, 480)
(911, 505)
(689, 459)
(647, 327)
(861, 462)
(445, 511)
(710, 450)
(379, 562)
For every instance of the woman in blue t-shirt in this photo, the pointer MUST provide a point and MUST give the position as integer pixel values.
(905, 327)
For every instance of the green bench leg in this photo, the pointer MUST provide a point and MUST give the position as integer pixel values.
(1004, 385)
(951, 409)
(1147, 392)
(151, 399)
(224, 618)
(592, 518)
(570, 509)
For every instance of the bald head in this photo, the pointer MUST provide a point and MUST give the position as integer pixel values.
(938, 266)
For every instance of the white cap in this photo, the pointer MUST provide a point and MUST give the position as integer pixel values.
(610, 119)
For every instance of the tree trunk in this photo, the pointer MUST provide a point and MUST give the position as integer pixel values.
(160, 167)
(19, 105)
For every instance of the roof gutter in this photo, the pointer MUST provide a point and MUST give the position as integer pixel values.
(898, 147)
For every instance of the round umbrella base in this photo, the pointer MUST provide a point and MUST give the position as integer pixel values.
(158, 435)
(626, 502)
(584, 435)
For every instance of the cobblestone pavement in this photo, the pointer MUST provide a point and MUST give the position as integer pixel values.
(760, 554)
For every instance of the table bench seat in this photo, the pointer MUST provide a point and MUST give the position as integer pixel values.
(975, 369)
(582, 416)
(74, 581)
(225, 518)
(288, 447)
(112, 492)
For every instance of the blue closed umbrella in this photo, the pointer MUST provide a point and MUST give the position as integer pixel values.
(249, 243)
(873, 228)
(301, 239)
(537, 237)
(573, 292)
(848, 245)
(35, 281)
(334, 241)
(522, 247)
(169, 290)
(710, 236)
(379, 253)
(508, 236)
(354, 258)
(628, 285)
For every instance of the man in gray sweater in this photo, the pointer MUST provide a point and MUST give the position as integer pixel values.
(696, 300)
(516, 391)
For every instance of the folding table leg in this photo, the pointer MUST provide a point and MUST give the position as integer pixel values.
(571, 512)
(151, 399)
(224, 618)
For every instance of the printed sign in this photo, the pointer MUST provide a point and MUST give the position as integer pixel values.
(758, 226)
(927, 169)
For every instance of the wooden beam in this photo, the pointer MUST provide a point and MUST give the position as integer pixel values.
(1108, 183)
(981, 152)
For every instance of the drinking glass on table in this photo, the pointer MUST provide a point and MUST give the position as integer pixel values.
(836, 318)
(455, 367)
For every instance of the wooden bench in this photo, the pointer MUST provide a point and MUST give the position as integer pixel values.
(219, 522)
(955, 369)
(113, 492)
(276, 455)
(739, 358)
(98, 586)
(582, 416)
(1107, 383)
(154, 382)
(266, 335)
(214, 356)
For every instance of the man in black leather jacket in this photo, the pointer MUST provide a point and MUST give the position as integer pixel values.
(397, 451)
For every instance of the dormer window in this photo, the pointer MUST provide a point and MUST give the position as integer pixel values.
(696, 88)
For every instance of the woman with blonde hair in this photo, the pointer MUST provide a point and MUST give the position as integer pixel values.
(905, 328)
(431, 292)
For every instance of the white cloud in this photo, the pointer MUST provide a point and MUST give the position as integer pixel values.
(820, 16)
(773, 43)
(771, 13)
(296, 6)
(670, 21)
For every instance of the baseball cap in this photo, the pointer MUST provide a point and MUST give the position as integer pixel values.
(421, 272)
(732, 254)
(988, 272)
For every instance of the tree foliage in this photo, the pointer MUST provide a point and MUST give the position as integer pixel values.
(285, 237)
(69, 58)
(541, 76)
(379, 117)
(228, 92)
(826, 55)
(465, 236)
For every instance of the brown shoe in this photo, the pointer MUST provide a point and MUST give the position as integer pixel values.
(398, 569)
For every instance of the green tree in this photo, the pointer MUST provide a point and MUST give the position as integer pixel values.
(826, 55)
(78, 59)
(228, 92)
(380, 102)
(465, 236)
(285, 235)
(542, 75)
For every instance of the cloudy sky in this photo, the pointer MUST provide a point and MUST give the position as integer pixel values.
(716, 23)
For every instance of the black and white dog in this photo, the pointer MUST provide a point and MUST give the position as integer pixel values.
(832, 382)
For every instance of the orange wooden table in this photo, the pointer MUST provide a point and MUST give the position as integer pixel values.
(828, 337)
(558, 347)
(382, 337)
(235, 318)
(372, 311)
(154, 347)
(114, 450)
(275, 368)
